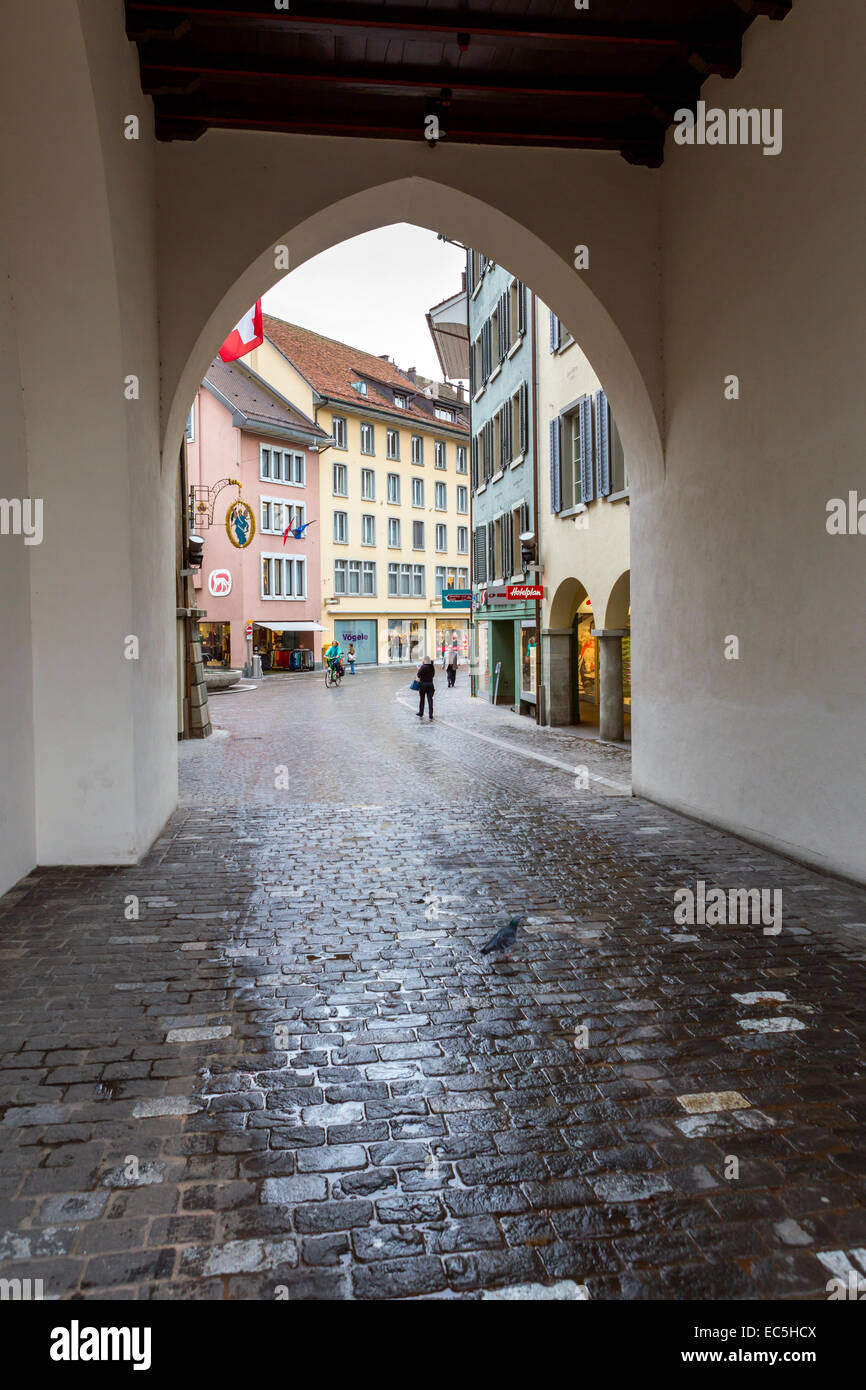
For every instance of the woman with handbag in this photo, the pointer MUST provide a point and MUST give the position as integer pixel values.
(424, 684)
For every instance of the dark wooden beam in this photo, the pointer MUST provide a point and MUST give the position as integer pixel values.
(159, 63)
(401, 19)
(173, 113)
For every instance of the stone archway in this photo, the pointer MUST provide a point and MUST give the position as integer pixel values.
(561, 702)
(189, 342)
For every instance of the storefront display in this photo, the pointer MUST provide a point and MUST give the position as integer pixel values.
(587, 657)
(215, 643)
(482, 643)
(362, 634)
(407, 640)
(528, 662)
(283, 649)
(452, 639)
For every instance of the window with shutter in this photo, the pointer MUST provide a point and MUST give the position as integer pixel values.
(475, 463)
(524, 418)
(554, 331)
(480, 556)
(491, 551)
(602, 443)
(587, 479)
(555, 470)
(521, 307)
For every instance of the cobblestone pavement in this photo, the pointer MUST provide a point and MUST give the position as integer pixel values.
(270, 1061)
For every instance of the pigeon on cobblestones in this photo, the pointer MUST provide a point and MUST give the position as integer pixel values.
(503, 939)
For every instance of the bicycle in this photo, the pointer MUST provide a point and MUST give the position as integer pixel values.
(333, 675)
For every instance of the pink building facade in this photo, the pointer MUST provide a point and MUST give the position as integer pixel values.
(239, 428)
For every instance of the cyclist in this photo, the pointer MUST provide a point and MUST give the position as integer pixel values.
(334, 657)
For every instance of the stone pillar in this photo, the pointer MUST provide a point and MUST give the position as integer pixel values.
(557, 675)
(610, 703)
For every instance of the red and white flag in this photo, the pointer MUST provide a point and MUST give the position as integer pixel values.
(245, 336)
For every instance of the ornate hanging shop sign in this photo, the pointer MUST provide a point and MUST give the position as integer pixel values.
(240, 524)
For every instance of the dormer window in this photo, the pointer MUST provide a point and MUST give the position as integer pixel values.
(360, 387)
(443, 414)
(400, 402)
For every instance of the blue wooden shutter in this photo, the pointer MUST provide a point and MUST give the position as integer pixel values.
(521, 307)
(524, 418)
(602, 443)
(474, 461)
(587, 473)
(555, 467)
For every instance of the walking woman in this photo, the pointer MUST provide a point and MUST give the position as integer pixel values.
(424, 677)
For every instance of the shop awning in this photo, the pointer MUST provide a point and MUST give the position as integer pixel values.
(291, 627)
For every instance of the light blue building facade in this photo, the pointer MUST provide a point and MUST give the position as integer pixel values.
(504, 449)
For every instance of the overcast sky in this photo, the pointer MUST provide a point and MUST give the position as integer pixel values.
(373, 292)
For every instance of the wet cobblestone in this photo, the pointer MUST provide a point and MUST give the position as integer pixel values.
(270, 1061)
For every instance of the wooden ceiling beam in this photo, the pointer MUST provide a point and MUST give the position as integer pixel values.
(404, 20)
(159, 67)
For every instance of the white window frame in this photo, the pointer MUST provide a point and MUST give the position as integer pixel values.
(298, 510)
(368, 431)
(340, 426)
(462, 540)
(394, 530)
(462, 461)
(463, 496)
(415, 546)
(418, 449)
(440, 454)
(417, 491)
(440, 491)
(368, 528)
(441, 537)
(345, 473)
(295, 565)
(395, 479)
(392, 435)
(341, 526)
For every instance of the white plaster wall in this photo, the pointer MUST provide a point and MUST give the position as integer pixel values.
(763, 277)
(17, 814)
(80, 247)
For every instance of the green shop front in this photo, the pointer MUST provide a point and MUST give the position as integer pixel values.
(506, 652)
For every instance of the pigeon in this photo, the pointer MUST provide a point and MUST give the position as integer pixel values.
(503, 939)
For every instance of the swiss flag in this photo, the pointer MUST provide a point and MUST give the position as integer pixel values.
(244, 336)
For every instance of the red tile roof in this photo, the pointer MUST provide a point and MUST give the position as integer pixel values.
(331, 367)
